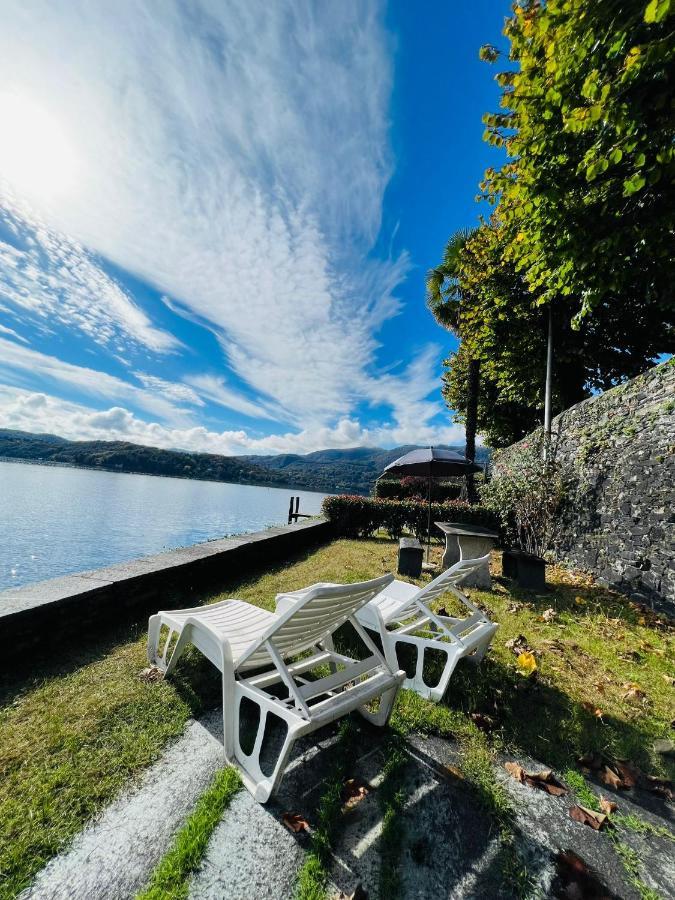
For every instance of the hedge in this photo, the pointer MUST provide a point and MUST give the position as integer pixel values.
(416, 489)
(355, 516)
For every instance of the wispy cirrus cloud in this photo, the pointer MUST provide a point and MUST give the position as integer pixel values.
(231, 156)
(52, 280)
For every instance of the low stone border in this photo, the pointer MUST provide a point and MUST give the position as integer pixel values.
(32, 616)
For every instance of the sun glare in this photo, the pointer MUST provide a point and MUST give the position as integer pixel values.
(37, 159)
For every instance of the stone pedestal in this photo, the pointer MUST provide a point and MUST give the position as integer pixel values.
(468, 542)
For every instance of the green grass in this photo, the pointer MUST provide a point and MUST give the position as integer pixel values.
(391, 799)
(169, 880)
(312, 879)
(74, 734)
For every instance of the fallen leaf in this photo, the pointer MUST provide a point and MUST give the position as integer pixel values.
(518, 645)
(633, 692)
(527, 664)
(661, 786)
(608, 806)
(592, 709)
(629, 773)
(548, 615)
(353, 792)
(576, 880)
(588, 817)
(151, 674)
(295, 822)
(543, 781)
(609, 777)
(579, 601)
(668, 679)
(485, 723)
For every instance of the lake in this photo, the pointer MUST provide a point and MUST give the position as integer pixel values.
(56, 520)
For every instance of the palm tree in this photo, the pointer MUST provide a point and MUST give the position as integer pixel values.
(444, 299)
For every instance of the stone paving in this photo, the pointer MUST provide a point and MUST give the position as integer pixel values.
(449, 847)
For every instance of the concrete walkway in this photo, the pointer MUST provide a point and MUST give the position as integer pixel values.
(449, 845)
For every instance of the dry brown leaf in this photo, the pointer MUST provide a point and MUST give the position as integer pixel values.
(629, 773)
(543, 781)
(576, 880)
(353, 792)
(668, 678)
(295, 822)
(484, 722)
(151, 674)
(609, 777)
(518, 645)
(661, 786)
(588, 817)
(633, 691)
(608, 806)
(548, 614)
(592, 709)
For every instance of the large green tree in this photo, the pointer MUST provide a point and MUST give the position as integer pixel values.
(586, 197)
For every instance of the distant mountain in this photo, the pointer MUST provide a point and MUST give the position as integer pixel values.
(352, 470)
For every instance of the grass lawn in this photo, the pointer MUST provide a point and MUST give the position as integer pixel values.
(71, 737)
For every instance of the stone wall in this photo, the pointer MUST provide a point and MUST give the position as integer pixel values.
(36, 618)
(617, 452)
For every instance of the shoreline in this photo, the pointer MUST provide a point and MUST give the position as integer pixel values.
(64, 465)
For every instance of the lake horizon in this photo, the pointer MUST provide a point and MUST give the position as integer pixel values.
(58, 520)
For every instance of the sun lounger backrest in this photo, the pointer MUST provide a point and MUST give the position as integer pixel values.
(313, 618)
(454, 575)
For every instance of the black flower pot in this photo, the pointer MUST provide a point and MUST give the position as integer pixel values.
(527, 570)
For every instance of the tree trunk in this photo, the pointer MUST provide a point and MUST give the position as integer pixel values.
(472, 387)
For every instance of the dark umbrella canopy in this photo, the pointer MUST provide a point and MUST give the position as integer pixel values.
(430, 462)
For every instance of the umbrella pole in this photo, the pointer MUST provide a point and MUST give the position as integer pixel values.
(429, 516)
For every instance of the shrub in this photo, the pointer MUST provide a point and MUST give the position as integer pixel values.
(526, 494)
(415, 488)
(355, 516)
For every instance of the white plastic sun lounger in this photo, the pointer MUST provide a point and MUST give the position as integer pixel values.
(401, 609)
(254, 650)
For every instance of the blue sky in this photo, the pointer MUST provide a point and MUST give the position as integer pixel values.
(215, 218)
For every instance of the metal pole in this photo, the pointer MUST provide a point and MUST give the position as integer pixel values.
(429, 515)
(549, 382)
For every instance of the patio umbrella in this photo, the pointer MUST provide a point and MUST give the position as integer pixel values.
(430, 463)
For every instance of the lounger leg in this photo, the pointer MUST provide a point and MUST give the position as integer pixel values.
(260, 784)
(381, 716)
(181, 643)
(154, 627)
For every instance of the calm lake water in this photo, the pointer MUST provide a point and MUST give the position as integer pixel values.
(55, 520)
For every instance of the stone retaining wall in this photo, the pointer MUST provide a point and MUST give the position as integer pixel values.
(35, 617)
(617, 451)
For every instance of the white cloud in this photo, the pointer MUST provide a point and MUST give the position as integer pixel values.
(181, 393)
(235, 155)
(53, 279)
(215, 389)
(38, 412)
(22, 364)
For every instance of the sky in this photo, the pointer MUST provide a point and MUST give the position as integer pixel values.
(216, 218)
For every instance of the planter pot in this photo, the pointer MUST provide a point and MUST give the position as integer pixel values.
(527, 570)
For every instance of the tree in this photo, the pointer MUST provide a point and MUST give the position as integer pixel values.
(444, 298)
(586, 198)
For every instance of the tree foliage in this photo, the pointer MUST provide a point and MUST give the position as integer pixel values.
(586, 197)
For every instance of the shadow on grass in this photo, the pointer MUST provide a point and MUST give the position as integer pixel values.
(531, 718)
